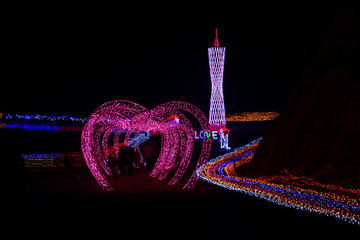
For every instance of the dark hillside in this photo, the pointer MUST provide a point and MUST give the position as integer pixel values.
(318, 133)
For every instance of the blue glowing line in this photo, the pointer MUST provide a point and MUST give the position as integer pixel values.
(41, 156)
(32, 127)
(44, 117)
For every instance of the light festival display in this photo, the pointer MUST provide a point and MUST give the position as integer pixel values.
(252, 116)
(41, 127)
(45, 117)
(216, 65)
(53, 160)
(286, 189)
(113, 118)
(221, 135)
(31, 127)
(43, 123)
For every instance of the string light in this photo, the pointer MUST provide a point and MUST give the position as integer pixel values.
(53, 160)
(40, 160)
(252, 116)
(127, 119)
(51, 127)
(289, 190)
(31, 127)
(43, 123)
(45, 117)
(42, 127)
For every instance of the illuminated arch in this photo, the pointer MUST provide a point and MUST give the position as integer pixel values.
(121, 116)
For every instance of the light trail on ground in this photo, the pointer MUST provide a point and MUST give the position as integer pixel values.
(288, 190)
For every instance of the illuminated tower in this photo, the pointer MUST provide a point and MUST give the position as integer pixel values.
(216, 64)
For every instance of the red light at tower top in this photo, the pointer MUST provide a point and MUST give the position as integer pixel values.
(216, 41)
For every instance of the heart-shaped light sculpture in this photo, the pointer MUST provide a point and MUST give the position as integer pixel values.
(122, 120)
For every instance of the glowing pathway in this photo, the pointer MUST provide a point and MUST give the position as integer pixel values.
(288, 190)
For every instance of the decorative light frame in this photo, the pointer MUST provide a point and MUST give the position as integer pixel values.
(122, 116)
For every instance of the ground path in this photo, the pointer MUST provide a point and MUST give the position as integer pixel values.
(65, 204)
(51, 204)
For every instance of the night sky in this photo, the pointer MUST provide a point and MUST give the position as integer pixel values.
(60, 58)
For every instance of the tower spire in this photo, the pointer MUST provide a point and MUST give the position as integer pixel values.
(216, 41)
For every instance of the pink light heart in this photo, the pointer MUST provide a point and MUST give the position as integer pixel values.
(122, 116)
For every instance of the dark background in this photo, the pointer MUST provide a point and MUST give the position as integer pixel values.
(63, 57)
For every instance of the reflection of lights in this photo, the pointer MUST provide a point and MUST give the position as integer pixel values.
(251, 116)
(288, 190)
(53, 160)
(41, 160)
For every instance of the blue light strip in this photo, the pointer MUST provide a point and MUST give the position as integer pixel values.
(32, 127)
(41, 156)
(45, 117)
